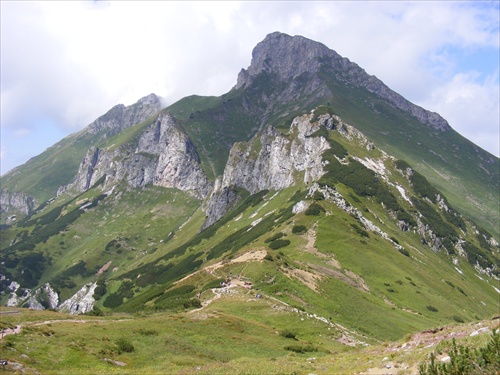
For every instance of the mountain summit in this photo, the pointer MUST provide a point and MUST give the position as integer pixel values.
(301, 59)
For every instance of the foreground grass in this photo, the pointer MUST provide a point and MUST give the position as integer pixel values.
(236, 334)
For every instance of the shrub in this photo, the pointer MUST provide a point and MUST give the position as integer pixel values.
(274, 237)
(269, 257)
(318, 196)
(464, 360)
(124, 346)
(314, 210)
(279, 244)
(401, 164)
(422, 187)
(113, 300)
(96, 311)
(297, 229)
(301, 348)
(360, 230)
(431, 308)
(100, 289)
(404, 252)
(288, 334)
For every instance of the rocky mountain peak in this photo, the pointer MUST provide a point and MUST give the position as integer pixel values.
(121, 117)
(291, 57)
(286, 56)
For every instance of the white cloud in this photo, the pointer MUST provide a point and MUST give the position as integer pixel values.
(471, 108)
(66, 63)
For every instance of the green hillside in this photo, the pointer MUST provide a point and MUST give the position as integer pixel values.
(392, 243)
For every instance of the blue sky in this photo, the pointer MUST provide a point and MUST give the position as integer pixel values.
(63, 64)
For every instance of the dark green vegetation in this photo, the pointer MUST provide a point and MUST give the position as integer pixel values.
(466, 360)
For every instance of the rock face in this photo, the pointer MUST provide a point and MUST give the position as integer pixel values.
(46, 297)
(277, 56)
(13, 201)
(162, 155)
(42, 298)
(121, 117)
(80, 303)
(271, 160)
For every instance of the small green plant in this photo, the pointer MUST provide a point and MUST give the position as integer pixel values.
(431, 308)
(147, 332)
(288, 334)
(124, 346)
(301, 348)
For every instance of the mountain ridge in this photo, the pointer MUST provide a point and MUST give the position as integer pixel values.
(278, 53)
(298, 186)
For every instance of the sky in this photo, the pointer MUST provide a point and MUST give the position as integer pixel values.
(65, 63)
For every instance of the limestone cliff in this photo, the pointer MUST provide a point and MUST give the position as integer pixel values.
(271, 160)
(81, 302)
(11, 202)
(161, 155)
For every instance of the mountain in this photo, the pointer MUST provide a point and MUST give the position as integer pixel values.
(311, 188)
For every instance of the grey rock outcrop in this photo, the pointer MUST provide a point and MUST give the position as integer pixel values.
(16, 201)
(81, 302)
(42, 298)
(271, 160)
(162, 155)
(277, 55)
(121, 117)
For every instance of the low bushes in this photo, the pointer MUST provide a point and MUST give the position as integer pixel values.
(465, 360)
(298, 229)
(279, 244)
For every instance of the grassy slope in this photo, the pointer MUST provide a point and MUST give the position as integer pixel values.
(42, 175)
(469, 177)
(139, 220)
(226, 334)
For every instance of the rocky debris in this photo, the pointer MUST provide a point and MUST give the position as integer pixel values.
(334, 196)
(104, 268)
(81, 302)
(117, 363)
(300, 207)
(17, 202)
(432, 337)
